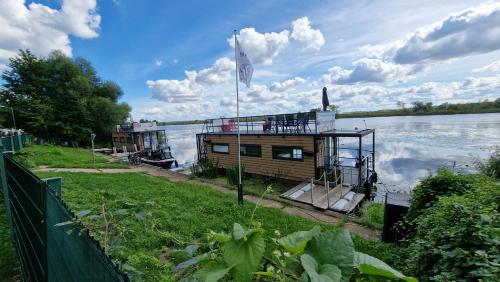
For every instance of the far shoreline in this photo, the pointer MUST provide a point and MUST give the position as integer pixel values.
(381, 113)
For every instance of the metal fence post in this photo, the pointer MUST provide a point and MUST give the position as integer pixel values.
(54, 184)
(20, 141)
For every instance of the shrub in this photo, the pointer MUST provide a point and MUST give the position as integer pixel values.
(232, 175)
(457, 238)
(445, 183)
(492, 166)
(372, 215)
(205, 168)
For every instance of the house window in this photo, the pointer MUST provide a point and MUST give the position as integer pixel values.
(115, 139)
(250, 150)
(122, 140)
(220, 148)
(287, 153)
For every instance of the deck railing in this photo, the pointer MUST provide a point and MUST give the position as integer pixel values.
(294, 123)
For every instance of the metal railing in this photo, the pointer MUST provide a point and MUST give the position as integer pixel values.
(296, 123)
(14, 143)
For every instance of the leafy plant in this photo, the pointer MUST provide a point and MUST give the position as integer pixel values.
(445, 183)
(205, 168)
(232, 175)
(372, 215)
(303, 255)
(457, 238)
(492, 166)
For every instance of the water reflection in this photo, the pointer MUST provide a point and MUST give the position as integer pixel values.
(408, 148)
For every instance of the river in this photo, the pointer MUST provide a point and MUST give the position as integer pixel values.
(409, 148)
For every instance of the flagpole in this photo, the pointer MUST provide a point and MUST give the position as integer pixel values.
(240, 186)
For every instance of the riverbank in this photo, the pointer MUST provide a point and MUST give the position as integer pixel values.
(155, 211)
(417, 110)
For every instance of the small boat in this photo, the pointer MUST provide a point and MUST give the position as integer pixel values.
(162, 158)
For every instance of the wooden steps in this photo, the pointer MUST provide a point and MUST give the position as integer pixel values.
(339, 198)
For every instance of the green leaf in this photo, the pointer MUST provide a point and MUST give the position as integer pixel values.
(83, 213)
(186, 264)
(333, 247)
(213, 271)
(141, 215)
(320, 273)
(245, 255)
(219, 237)
(296, 242)
(69, 222)
(191, 249)
(369, 265)
(238, 231)
(264, 273)
(122, 211)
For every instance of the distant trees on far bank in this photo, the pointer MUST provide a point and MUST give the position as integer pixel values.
(60, 99)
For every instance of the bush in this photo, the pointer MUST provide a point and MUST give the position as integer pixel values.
(457, 238)
(445, 183)
(232, 175)
(492, 166)
(372, 215)
(205, 168)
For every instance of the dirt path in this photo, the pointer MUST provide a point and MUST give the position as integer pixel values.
(305, 212)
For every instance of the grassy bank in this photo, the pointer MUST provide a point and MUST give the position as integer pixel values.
(151, 216)
(63, 157)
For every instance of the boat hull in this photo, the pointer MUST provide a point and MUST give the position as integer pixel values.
(166, 163)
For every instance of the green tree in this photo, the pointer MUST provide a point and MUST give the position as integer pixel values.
(61, 99)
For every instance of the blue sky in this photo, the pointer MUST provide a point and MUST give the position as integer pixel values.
(370, 54)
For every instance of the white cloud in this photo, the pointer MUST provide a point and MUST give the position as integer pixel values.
(286, 85)
(158, 63)
(220, 72)
(302, 32)
(176, 91)
(472, 31)
(493, 67)
(43, 29)
(261, 47)
(191, 88)
(260, 93)
(370, 70)
(175, 61)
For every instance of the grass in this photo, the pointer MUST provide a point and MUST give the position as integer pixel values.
(255, 185)
(151, 215)
(9, 265)
(372, 215)
(63, 157)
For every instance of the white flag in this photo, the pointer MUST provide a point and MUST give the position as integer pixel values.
(245, 69)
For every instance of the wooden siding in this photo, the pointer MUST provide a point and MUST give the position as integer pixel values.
(301, 170)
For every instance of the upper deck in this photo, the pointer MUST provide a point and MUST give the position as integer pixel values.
(308, 123)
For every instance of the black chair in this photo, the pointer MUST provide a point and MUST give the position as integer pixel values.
(280, 122)
(303, 122)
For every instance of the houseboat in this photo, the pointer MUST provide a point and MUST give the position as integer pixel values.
(334, 168)
(145, 142)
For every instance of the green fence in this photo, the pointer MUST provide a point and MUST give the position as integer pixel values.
(47, 250)
(15, 142)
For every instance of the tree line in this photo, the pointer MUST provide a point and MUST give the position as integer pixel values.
(60, 99)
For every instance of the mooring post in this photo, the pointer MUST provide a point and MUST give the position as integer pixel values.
(327, 194)
(312, 186)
